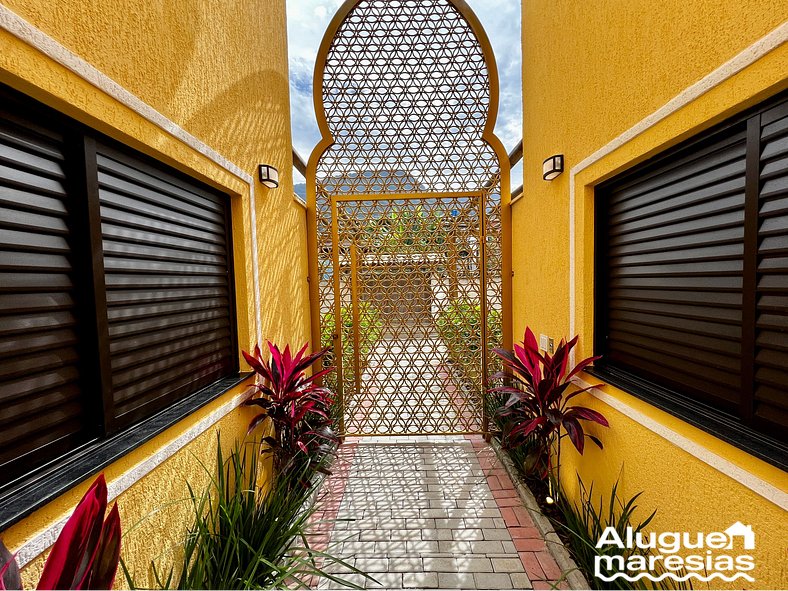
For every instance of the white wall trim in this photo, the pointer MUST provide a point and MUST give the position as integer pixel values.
(736, 64)
(759, 486)
(36, 38)
(44, 539)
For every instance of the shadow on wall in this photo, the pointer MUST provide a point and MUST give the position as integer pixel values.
(252, 127)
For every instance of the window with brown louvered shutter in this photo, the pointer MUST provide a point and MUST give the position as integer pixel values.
(41, 406)
(692, 273)
(116, 295)
(167, 270)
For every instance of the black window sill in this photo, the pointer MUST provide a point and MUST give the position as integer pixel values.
(708, 419)
(20, 498)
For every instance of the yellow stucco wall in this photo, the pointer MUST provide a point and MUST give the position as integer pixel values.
(218, 70)
(592, 71)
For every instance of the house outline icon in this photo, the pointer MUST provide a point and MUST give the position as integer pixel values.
(743, 531)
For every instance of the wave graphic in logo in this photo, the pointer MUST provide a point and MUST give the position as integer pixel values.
(657, 578)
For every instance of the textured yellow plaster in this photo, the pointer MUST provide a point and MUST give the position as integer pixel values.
(592, 70)
(218, 69)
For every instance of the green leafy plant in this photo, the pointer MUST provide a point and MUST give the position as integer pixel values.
(408, 230)
(459, 325)
(85, 554)
(370, 330)
(537, 410)
(249, 534)
(294, 404)
(585, 523)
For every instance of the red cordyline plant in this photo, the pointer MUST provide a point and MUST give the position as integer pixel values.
(86, 553)
(296, 405)
(537, 412)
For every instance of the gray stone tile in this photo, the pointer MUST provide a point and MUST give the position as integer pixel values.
(520, 581)
(507, 565)
(468, 534)
(405, 564)
(375, 535)
(482, 522)
(496, 534)
(449, 523)
(423, 546)
(373, 564)
(456, 580)
(436, 534)
(419, 580)
(474, 564)
(386, 580)
(509, 548)
(492, 581)
(407, 534)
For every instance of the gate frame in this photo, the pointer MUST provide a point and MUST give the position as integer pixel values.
(327, 140)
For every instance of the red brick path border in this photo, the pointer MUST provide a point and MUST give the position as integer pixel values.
(539, 564)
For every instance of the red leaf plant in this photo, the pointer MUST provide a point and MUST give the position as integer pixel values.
(537, 409)
(296, 405)
(86, 553)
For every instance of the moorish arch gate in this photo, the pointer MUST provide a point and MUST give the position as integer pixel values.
(408, 194)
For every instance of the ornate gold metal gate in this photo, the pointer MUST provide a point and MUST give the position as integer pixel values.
(408, 231)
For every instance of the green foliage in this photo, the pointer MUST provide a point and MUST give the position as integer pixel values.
(459, 325)
(584, 524)
(407, 230)
(247, 534)
(370, 331)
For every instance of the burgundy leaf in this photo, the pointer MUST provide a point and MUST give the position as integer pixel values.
(107, 557)
(581, 365)
(525, 429)
(575, 432)
(587, 414)
(9, 570)
(254, 363)
(595, 440)
(71, 558)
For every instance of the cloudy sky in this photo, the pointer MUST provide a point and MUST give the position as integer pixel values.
(307, 21)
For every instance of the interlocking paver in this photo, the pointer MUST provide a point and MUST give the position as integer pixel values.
(492, 581)
(507, 565)
(425, 513)
(420, 580)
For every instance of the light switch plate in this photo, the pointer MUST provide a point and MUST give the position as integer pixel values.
(543, 342)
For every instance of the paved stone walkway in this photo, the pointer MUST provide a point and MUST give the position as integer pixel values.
(431, 512)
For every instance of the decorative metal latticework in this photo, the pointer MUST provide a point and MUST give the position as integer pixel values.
(406, 224)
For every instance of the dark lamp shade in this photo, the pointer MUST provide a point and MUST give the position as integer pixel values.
(552, 167)
(269, 176)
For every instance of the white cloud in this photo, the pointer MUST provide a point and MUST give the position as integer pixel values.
(307, 22)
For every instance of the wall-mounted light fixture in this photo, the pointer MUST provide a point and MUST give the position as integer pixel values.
(552, 167)
(269, 175)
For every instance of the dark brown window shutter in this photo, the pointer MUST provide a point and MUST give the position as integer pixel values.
(672, 254)
(41, 407)
(771, 340)
(167, 267)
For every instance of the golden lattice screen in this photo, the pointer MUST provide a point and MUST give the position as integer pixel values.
(406, 93)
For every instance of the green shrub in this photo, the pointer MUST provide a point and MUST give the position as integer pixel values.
(584, 524)
(370, 331)
(248, 534)
(459, 325)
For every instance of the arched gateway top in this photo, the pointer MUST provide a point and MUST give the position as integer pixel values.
(406, 97)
